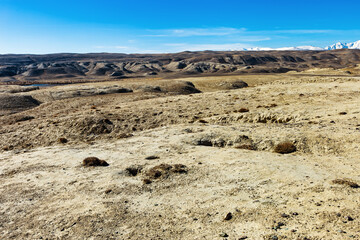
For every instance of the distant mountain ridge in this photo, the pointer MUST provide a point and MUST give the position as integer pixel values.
(67, 67)
(339, 45)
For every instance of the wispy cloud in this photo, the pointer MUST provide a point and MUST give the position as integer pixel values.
(221, 39)
(192, 32)
(176, 47)
(226, 31)
(302, 31)
(112, 47)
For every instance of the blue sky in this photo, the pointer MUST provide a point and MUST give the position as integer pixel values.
(38, 26)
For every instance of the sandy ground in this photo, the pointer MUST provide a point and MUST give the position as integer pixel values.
(47, 194)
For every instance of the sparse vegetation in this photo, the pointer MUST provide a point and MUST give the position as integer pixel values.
(94, 162)
(134, 170)
(346, 182)
(164, 170)
(285, 148)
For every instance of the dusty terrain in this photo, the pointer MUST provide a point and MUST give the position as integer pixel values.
(180, 161)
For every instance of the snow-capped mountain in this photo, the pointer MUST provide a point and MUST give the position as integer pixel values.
(339, 45)
(299, 48)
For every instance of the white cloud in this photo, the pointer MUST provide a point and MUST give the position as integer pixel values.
(112, 47)
(191, 32)
(178, 47)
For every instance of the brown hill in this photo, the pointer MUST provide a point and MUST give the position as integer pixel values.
(77, 67)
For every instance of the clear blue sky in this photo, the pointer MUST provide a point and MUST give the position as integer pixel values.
(48, 26)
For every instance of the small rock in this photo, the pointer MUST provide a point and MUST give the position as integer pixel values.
(274, 237)
(62, 140)
(152, 157)
(243, 237)
(203, 121)
(147, 181)
(350, 218)
(284, 215)
(224, 235)
(279, 225)
(243, 110)
(228, 216)
(108, 191)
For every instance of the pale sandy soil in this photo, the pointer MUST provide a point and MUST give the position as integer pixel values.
(46, 193)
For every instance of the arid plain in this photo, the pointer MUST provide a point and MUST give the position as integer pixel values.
(189, 158)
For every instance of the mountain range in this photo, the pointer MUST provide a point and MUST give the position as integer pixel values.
(72, 67)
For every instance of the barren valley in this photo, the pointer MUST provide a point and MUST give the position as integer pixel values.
(241, 156)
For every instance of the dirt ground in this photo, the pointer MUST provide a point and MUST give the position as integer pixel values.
(193, 166)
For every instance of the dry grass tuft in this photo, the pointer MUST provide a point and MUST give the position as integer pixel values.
(285, 148)
(164, 170)
(179, 168)
(94, 162)
(347, 182)
(134, 170)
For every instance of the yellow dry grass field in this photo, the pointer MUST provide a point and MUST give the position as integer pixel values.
(187, 158)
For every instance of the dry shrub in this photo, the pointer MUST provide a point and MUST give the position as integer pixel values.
(347, 182)
(94, 162)
(164, 170)
(179, 168)
(285, 148)
(134, 170)
(62, 140)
